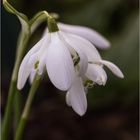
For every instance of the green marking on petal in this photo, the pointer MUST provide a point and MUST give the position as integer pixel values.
(76, 59)
(36, 65)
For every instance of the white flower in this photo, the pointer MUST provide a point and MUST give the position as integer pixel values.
(56, 54)
(93, 36)
(76, 95)
(73, 64)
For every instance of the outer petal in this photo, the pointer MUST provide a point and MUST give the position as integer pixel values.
(33, 59)
(24, 72)
(113, 68)
(25, 67)
(75, 45)
(97, 74)
(76, 97)
(42, 54)
(84, 45)
(87, 33)
(59, 64)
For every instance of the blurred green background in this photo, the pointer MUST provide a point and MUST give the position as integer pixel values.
(112, 109)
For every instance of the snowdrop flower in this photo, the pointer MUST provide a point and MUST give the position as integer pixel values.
(73, 64)
(54, 53)
(59, 58)
(94, 37)
(76, 95)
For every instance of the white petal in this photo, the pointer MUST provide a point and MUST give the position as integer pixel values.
(72, 43)
(40, 56)
(25, 67)
(43, 54)
(37, 46)
(84, 45)
(97, 74)
(87, 33)
(33, 59)
(59, 64)
(77, 97)
(24, 72)
(113, 68)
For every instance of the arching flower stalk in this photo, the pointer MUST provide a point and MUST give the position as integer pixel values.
(71, 61)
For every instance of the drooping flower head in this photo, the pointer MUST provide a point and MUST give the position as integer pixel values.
(57, 55)
(95, 74)
(68, 55)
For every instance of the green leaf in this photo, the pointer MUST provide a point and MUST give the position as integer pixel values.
(22, 18)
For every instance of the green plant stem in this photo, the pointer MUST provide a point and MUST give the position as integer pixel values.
(21, 46)
(11, 94)
(17, 108)
(27, 107)
(22, 43)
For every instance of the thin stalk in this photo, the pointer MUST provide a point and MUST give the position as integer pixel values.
(17, 108)
(13, 89)
(21, 46)
(24, 117)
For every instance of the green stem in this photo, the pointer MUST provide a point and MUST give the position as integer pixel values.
(21, 46)
(17, 108)
(8, 110)
(27, 107)
(13, 89)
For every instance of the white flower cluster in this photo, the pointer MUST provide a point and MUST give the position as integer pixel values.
(72, 62)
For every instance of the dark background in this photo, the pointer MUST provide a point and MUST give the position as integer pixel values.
(112, 109)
